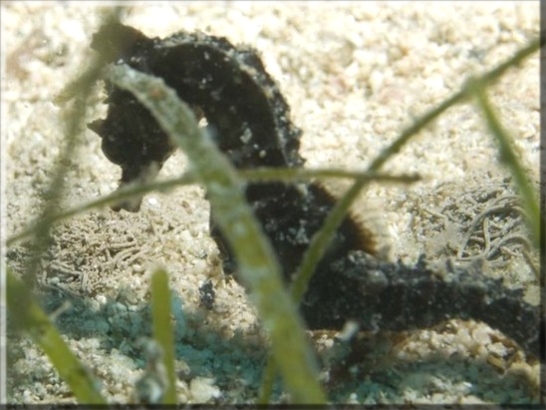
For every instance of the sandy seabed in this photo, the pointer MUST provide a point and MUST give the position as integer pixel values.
(354, 73)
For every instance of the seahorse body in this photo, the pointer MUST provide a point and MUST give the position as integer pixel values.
(250, 122)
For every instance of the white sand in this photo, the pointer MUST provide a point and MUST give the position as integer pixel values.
(354, 73)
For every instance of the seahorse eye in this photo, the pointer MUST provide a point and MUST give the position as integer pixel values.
(114, 151)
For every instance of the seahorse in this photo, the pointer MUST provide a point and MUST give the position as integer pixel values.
(249, 120)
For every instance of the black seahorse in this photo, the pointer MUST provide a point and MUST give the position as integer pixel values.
(250, 121)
